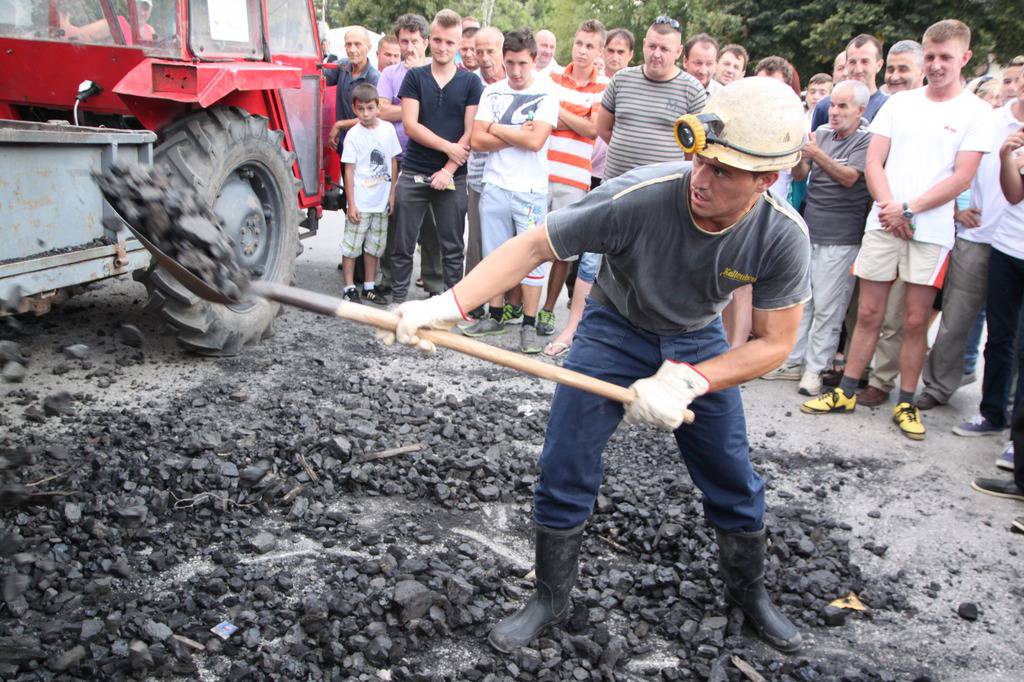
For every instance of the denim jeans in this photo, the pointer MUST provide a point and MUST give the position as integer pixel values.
(714, 448)
(973, 348)
(1002, 311)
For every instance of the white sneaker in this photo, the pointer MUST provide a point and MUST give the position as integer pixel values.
(810, 384)
(784, 373)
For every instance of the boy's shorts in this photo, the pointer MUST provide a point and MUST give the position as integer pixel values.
(369, 236)
(561, 195)
(883, 257)
(505, 214)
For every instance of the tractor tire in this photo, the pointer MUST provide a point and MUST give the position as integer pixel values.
(239, 165)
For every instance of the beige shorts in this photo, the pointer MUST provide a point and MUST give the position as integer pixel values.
(883, 257)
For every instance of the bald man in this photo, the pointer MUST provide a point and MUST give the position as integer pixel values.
(352, 71)
(546, 45)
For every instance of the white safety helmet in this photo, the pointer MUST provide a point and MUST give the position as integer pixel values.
(755, 124)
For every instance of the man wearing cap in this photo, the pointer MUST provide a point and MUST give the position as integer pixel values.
(677, 239)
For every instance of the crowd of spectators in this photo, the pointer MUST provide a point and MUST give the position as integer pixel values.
(910, 184)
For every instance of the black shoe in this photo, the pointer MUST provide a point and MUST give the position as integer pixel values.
(374, 296)
(383, 290)
(830, 378)
(557, 561)
(998, 487)
(351, 295)
(741, 562)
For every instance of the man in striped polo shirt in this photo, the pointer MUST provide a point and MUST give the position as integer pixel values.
(579, 87)
(641, 103)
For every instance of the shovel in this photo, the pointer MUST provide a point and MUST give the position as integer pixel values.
(382, 319)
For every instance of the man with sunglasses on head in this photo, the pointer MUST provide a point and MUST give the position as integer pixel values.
(677, 240)
(641, 103)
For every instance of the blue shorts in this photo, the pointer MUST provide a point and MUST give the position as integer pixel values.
(505, 214)
(590, 263)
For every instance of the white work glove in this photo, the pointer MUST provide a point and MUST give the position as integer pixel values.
(662, 399)
(437, 312)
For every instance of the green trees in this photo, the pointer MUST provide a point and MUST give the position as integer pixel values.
(807, 32)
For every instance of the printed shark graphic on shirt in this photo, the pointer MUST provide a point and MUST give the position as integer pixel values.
(514, 109)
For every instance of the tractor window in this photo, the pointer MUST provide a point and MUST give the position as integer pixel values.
(302, 108)
(226, 28)
(290, 27)
(150, 24)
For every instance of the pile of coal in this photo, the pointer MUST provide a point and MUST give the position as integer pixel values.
(176, 219)
(262, 499)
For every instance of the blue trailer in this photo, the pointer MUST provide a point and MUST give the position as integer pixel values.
(57, 232)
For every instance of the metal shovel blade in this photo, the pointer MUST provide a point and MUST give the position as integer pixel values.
(188, 280)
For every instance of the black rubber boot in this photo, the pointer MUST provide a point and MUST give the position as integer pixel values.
(557, 561)
(741, 559)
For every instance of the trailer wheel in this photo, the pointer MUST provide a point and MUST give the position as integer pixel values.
(238, 164)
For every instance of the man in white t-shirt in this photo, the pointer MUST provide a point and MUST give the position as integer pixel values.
(963, 297)
(513, 123)
(926, 147)
(1002, 311)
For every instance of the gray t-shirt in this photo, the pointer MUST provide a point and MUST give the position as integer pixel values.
(835, 214)
(662, 272)
(645, 117)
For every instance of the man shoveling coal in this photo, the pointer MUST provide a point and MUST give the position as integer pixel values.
(677, 239)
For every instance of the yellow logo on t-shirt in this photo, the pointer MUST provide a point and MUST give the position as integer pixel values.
(738, 276)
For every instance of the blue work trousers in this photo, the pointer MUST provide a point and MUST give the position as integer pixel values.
(714, 447)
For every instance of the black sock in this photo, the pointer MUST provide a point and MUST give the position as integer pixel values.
(849, 385)
(906, 397)
(529, 321)
(496, 312)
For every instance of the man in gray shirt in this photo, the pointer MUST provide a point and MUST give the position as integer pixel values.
(837, 204)
(641, 104)
(677, 240)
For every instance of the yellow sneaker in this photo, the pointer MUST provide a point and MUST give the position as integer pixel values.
(908, 418)
(835, 400)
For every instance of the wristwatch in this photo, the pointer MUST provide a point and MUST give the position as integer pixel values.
(907, 213)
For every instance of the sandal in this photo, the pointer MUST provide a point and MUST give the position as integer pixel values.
(556, 349)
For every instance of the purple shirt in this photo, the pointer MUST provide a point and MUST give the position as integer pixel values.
(388, 85)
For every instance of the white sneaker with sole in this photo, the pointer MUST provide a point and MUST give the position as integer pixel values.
(784, 373)
(810, 384)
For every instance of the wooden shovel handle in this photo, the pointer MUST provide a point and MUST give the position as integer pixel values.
(382, 319)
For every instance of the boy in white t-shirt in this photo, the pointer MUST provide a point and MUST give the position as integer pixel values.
(370, 161)
(926, 147)
(513, 123)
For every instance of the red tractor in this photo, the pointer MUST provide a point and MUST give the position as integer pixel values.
(234, 93)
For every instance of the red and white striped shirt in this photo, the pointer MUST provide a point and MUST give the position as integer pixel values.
(569, 152)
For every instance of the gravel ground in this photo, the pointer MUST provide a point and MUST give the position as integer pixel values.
(191, 491)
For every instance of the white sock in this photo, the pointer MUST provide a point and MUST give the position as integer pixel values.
(367, 286)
